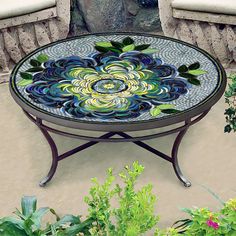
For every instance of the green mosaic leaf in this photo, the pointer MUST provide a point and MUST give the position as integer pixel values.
(170, 111)
(24, 82)
(101, 49)
(183, 68)
(165, 106)
(155, 111)
(26, 76)
(35, 63)
(43, 58)
(35, 69)
(142, 47)
(113, 49)
(128, 48)
(117, 44)
(194, 66)
(103, 44)
(197, 72)
(194, 81)
(150, 51)
(187, 75)
(128, 41)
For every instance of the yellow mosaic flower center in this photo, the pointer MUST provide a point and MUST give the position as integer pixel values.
(109, 86)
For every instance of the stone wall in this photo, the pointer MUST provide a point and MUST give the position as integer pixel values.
(114, 15)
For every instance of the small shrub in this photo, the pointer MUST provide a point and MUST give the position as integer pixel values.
(134, 215)
(230, 99)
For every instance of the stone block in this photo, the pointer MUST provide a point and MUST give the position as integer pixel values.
(103, 15)
(147, 20)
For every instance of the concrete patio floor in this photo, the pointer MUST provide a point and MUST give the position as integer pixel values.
(207, 157)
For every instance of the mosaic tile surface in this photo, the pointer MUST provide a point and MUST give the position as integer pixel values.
(115, 78)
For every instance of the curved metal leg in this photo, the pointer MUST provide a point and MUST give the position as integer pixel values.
(174, 155)
(107, 137)
(54, 150)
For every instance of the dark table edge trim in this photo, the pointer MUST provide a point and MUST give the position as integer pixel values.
(122, 126)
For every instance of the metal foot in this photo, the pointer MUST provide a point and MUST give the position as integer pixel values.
(54, 150)
(174, 161)
(44, 181)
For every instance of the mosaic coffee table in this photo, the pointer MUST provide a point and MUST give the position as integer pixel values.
(116, 83)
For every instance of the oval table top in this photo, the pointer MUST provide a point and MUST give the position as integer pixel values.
(117, 82)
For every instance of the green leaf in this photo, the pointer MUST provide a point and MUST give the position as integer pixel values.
(187, 210)
(170, 111)
(182, 225)
(142, 47)
(227, 129)
(187, 75)
(103, 44)
(10, 229)
(194, 81)
(26, 76)
(197, 72)
(28, 205)
(155, 111)
(37, 217)
(17, 222)
(214, 195)
(165, 106)
(67, 219)
(183, 68)
(43, 58)
(194, 66)
(230, 111)
(24, 82)
(75, 229)
(35, 69)
(184, 221)
(101, 49)
(117, 44)
(228, 94)
(150, 51)
(28, 223)
(19, 214)
(128, 41)
(113, 49)
(35, 63)
(54, 213)
(128, 48)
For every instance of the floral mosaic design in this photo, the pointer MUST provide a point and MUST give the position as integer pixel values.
(120, 80)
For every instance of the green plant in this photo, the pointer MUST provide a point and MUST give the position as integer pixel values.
(28, 221)
(230, 99)
(229, 216)
(205, 222)
(134, 215)
(166, 232)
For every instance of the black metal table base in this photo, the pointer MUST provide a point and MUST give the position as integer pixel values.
(107, 137)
